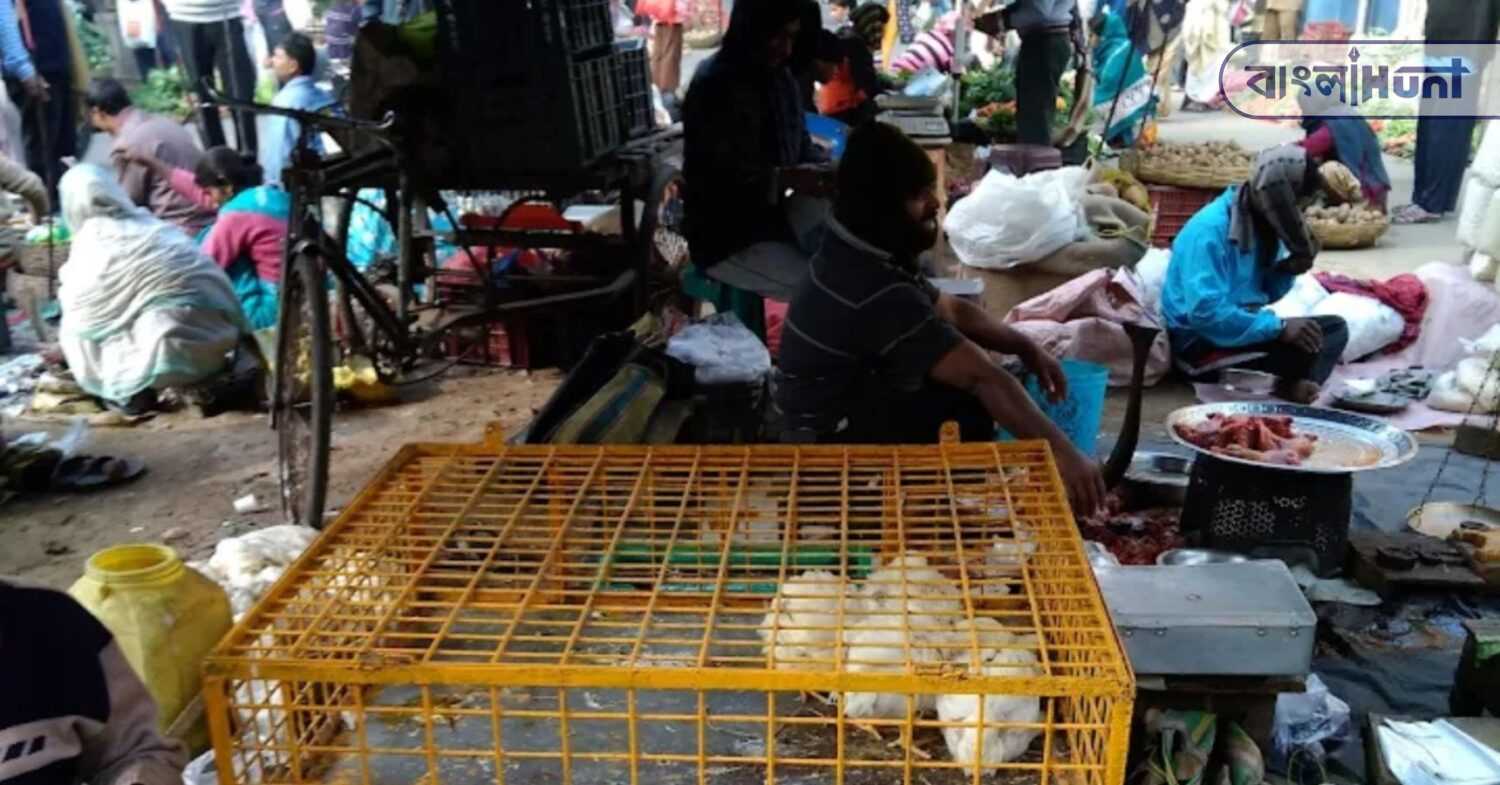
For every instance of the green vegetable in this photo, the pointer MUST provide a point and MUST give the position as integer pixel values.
(163, 92)
(96, 47)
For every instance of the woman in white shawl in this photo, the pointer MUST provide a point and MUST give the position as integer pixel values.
(142, 308)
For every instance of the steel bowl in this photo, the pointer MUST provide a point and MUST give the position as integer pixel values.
(1197, 557)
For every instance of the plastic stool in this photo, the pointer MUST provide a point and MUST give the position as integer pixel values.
(748, 306)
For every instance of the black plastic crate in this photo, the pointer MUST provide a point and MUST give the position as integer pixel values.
(596, 101)
(490, 42)
(633, 80)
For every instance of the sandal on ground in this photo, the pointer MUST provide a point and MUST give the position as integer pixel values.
(1413, 214)
(93, 473)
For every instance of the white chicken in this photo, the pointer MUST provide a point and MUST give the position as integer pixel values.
(871, 648)
(801, 628)
(1000, 745)
(907, 584)
(908, 616)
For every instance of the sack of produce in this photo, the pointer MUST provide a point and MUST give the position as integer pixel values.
(1486, 164)
(1447, 396)
(1472, 210)
(1489, 229)
(1483, 266)
(1009, 221)
(1298, 303)
(1478, 377)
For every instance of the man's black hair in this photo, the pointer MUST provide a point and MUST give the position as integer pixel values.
(849, 4)
(830, 49)
(300, 48)
(107, 95)
(881, 169)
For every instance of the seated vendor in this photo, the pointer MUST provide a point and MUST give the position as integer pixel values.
(1336, 133)
(849, 88)
(746, 147)
(1239, 254)
(872, 353)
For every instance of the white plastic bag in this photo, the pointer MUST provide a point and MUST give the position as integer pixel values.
(1305, 295)
(1008, 221)
(1489, 230)
(1446, 395)
(1486, 164)
(1152, 268)
(137, 23)
(1472, 209)
(1483, 266)
(1373, 325)
(722, 350)
(1477, 379)
(1307, 719)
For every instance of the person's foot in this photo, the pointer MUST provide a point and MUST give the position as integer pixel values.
(1414, 214)
(1298, 391)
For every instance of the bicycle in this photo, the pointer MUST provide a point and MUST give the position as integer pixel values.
(393, 336)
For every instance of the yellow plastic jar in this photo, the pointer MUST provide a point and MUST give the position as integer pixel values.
(165, 616)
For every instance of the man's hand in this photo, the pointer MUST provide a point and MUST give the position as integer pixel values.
(1049, 373)
(1083, 479)
(1305, 334)
(36, 88)
(809, 180)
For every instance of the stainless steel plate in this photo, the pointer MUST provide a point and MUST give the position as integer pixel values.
(1347, 442)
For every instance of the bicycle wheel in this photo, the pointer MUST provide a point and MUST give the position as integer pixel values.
(303, 401)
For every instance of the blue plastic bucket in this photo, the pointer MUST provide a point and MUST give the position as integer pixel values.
(1080, 414)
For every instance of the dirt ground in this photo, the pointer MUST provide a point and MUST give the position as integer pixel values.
(197, 468)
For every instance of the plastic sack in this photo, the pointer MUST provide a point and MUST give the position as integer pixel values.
(1483, 266)
(1478, 378)
(1488, 239)
(1152, 269)
(1298, 303)
(1373, 325)
(1448, 397)
(201, 771)
(1303, 721)
(1486, 165)
(1472, 209)
(1009, 221)
(722, 350)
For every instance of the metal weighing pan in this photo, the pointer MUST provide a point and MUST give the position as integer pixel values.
(1347, 442)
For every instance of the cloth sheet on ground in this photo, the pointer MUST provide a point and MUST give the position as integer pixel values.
(1458, 308)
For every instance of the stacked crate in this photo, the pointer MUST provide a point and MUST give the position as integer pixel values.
(534, 84)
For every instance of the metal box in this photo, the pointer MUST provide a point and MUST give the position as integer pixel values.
(1245, 619)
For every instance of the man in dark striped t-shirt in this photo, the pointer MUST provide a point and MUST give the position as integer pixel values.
(871, 352)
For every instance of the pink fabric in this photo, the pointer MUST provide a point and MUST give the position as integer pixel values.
(186, 186)
(1406, 294)
(1319, 143)
(775, 319)
(1081, 319)
(237, 234)
(667, 12)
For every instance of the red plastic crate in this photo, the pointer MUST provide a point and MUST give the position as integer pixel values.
(500, 345)
(1173, 206)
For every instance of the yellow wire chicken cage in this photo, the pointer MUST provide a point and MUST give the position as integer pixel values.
(770, 614)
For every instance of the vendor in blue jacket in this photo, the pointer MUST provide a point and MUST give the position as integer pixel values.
(1236, 256)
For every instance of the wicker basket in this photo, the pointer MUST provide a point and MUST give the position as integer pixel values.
(1345, 236)
(1150, 169)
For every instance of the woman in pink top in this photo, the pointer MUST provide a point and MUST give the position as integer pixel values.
(248, 238)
